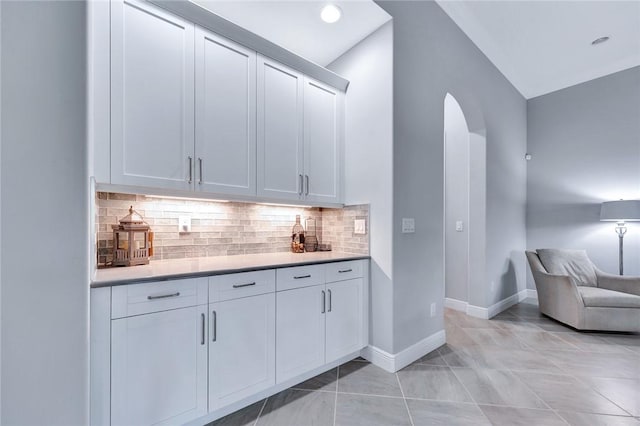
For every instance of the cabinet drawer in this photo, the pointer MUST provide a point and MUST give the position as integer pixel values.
(137, 299)
(299, 276)
(234, 286)
(341, 271)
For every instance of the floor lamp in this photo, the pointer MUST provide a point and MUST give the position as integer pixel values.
(620, 211)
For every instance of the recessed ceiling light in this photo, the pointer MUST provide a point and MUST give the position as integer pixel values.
(330, 13)
(600, 40)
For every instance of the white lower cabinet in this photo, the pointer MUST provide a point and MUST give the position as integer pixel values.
(159, 367)
(300, 328)
(344, 318)
(316, 325)
(241, 348)
(181, 350)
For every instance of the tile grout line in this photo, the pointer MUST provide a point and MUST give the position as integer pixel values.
(335, 403)
(260, 412)
(404, 399)
(463, 385)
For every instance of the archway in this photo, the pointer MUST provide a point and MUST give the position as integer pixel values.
(464, 223)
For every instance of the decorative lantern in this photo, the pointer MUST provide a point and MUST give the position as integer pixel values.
(131, 240)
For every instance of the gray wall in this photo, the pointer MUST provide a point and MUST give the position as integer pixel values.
(369, 163)
(432, 56)
(456, 200)
(44, 214)
(585, 143)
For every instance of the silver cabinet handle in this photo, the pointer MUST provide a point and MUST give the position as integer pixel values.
(190, 169)
(214, 325)
(202, 341)
(345, 270)
(243, 285)
(164, 296)
(329, 291)
(323, 302)
(200, 164)
(301, 277)
(306, 177)
(301, 182)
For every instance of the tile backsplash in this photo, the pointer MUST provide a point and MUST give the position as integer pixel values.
(224, 228)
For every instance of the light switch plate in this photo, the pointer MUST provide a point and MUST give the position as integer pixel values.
(359, 227)
(459, 226)
(408, 225)
(184, 224)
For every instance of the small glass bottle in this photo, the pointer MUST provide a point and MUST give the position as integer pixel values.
(297, 237)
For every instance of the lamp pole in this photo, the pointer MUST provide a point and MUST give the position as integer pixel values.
(621, 230)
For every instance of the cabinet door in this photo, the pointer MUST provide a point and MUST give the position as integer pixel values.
(241, 348)
(299, 331)
(280, 131)
(344, 318)
(225, 116)
(159, 367)
(152, 90)
(322, 142)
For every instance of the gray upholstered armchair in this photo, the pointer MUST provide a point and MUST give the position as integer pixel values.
(573, 291)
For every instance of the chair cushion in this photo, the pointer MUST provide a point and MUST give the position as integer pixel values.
(601, 297)
(573, 263)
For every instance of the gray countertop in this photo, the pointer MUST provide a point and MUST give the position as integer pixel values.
(158, 270)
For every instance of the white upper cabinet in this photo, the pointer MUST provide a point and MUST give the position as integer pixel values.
(152, 97)
(280, 131)
(225, 149)
(194, 111)
(299, 136)
(322, 142)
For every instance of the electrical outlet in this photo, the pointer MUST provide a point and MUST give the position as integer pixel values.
(459, 226)
(433, 309)
(184, 224)
(359, 227)
(408, 225)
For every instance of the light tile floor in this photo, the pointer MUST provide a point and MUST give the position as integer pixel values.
(519, 368)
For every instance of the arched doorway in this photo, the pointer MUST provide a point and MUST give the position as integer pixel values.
(464, 207)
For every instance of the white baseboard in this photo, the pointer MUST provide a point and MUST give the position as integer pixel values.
(395, 362)
(455, 304)
(496, 308)
(533, 294)
(477, 312)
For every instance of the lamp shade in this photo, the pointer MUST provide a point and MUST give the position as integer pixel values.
(620, 211)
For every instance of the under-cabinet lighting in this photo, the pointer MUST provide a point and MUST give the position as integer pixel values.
(172, 197)
(285, 205)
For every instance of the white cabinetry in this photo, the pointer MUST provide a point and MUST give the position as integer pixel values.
(242, 336)
(225, 147)
(280, 131)
(196, 349)
(152, 96)
(194, 111)
(344, 318)
(159, 355)
(317, 323)
(300, 331)
(322, 142)
(299, 136)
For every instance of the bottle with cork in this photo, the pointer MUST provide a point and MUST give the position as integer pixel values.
(297, 237)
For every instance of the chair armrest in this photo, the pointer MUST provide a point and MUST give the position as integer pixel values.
(559, 298)
(620, 283)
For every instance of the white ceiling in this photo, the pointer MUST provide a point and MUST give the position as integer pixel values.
(296, 24)
(543, 46)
